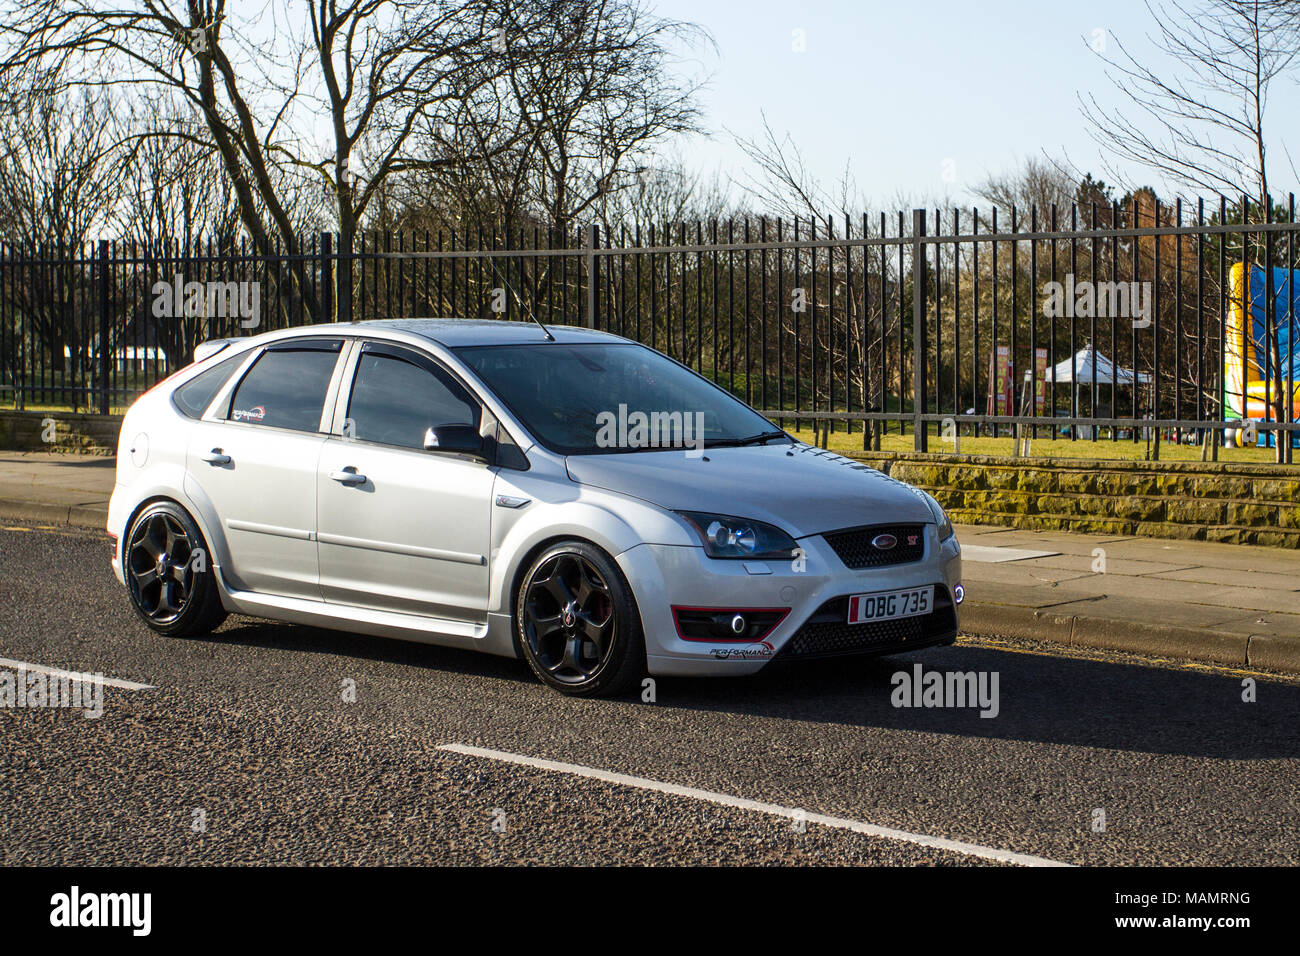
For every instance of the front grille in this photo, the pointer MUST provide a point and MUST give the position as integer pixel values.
(854, 547)
(827, 632)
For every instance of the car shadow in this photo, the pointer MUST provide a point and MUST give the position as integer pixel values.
(272, 635)
(1041, 698)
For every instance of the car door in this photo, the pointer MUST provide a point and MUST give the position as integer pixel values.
(254, 457)
(402, 528)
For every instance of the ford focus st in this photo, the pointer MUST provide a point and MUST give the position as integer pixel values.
(564, 496)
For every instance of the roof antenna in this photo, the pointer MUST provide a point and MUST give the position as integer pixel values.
(549, 336)
(522, 304)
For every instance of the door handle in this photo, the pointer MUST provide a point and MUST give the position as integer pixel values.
(348, 476)
(215, 457)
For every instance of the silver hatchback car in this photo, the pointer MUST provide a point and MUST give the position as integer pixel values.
(565, 496)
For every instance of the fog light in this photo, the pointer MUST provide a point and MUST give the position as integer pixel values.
(726, 625)
(958, 593)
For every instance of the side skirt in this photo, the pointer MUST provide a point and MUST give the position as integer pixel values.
(493, 637)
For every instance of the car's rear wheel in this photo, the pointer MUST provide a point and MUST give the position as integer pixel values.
(577, 622)
(169, 574)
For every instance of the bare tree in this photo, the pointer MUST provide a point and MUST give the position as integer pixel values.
(57, 190)
(783, 184)
(1207, 114)
(55, 180)
(173, 187)
(374, 70)
(1037, 182)
(175, 199)
(667, 191)
(1203, 122)
(589, 93)
(595, 84)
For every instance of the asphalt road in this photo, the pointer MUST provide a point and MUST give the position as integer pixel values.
(250, 727)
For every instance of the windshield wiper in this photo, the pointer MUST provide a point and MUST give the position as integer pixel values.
(739, 442)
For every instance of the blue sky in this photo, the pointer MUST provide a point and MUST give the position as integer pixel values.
(906, 89)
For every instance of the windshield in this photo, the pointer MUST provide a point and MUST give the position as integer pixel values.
(601, 398)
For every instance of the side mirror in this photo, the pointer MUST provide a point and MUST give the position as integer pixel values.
(456, 439)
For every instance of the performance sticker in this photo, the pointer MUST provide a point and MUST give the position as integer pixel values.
(753, 652)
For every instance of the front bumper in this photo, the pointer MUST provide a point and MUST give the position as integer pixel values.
(814, 589)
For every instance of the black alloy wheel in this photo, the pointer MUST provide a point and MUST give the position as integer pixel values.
(578, 625)
(169, 573)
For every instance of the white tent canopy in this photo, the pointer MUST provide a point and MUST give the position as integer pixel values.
(1080, 369)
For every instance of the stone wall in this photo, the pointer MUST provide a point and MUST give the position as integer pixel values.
(1203, 501)
(86, 434)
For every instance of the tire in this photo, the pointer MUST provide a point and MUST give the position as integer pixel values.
(172, 590)
(577, 624)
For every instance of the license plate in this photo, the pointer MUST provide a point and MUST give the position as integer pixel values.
(891, 605)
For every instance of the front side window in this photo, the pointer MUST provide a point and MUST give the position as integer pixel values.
(285, 388)
(394, 401)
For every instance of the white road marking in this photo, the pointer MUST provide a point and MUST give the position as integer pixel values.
(73, 676)
(985, 555)
(741, 803)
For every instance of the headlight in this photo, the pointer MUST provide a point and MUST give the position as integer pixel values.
(940, 517)
(726, 536)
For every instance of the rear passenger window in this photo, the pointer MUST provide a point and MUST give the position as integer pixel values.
(394, 401)
(285, 388)
(194, 397)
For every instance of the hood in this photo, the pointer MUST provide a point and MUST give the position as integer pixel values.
(798, 488)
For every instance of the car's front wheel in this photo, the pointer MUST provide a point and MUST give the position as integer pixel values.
(577, 622)
(169, 574)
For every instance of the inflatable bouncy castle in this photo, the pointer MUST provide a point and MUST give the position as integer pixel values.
(1249, 373)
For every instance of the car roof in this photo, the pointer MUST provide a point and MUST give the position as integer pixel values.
(455, 333)
(448, 333)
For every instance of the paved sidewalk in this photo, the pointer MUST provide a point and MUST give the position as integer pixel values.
(1235, 605)
(1220, 603)
(56, 488)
